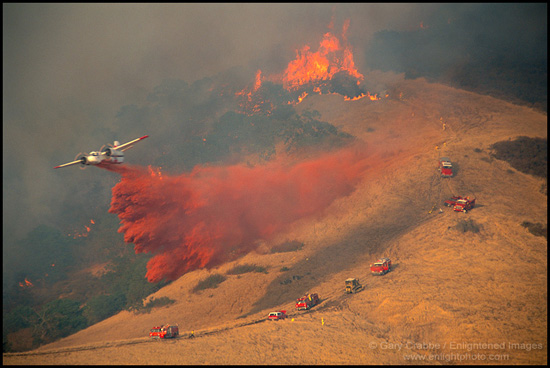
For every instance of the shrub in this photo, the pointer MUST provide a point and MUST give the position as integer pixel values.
(289, 246)
(211, 282)
(536, 229)
(238, 270)
(103, 306)
(468, 225)
(528, 155)
(154, 303)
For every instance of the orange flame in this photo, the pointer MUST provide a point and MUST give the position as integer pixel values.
(346, 98)
(26, 284)
(311, 69)
(92, 222)
(258, 82)
(300, 99)
(155, 172)
(252, 102)
(332, 57)
(374, 97)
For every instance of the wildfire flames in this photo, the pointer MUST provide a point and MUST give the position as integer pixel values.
(332, 57)
(26, 283)
(371, 97)
(214, 214)
(252, 102)
(78, 234)
(311, 72)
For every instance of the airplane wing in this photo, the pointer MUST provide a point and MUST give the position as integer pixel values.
(69, 164)
(125, 146)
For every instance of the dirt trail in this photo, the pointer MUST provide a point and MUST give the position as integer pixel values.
(453, 298)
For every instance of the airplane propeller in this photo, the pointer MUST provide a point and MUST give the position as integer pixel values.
(102, 149)
(78, 157)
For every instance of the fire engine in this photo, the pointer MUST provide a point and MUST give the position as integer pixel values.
(164, 332)
(381, 267)
(307, 301)
(445, 167)
(461, 204)
(452, 201)
(464, 204)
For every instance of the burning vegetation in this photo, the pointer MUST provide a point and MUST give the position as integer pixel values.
(329, 69)
(320, 67)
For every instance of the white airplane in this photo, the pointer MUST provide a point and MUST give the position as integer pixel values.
(113, 154)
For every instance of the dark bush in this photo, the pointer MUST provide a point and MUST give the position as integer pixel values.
(528, 155)
(154, 303)
(536, 229)
(468, 225)
(211, 282)
(289, 246)
(238, 270)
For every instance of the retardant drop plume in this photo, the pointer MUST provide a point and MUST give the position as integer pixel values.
(216, 213)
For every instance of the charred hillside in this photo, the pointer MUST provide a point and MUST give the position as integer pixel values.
(484, 49)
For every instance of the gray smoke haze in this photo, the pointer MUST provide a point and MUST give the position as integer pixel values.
(68, 69)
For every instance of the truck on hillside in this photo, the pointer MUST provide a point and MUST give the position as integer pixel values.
(275, 316)
(445, 167)
(464, 204)
(164, 332)
(307, 301)
(461, 204)
(452, 201)
(381, 267)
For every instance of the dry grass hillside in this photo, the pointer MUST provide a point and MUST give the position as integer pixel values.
(454, 297)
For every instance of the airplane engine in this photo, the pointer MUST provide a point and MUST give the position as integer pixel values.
(115, 155)
(83, 160)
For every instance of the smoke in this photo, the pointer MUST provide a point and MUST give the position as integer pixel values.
(73, 73)
(216, 213)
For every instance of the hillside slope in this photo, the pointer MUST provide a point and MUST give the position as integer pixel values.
(480, 296)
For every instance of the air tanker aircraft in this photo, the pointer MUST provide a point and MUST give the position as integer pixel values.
(108, 153)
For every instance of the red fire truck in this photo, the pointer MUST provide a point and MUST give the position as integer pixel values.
(461, 204)
(164, 332)
(464, 204)
(445, 167)
(307, 301)
(381, 267)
